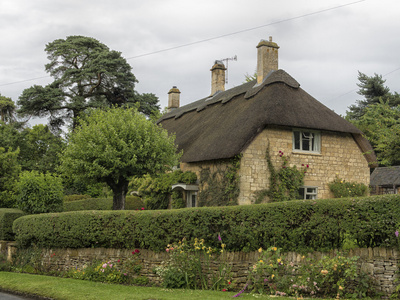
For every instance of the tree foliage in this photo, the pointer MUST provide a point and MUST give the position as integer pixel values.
(381, 125)
(38, 146)
(7, 109)
(87, 74)
(39, 193)
(115, 144)
(373, 89)
(9, 171)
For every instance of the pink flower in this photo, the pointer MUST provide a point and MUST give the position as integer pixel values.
(142, 208)
(224, 290)
(396, 233)
(219, 237)
(167, 250)
(104, 266)
(125, 274)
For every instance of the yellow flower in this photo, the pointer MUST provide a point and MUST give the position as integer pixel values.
(260, 250)
(261, 261)
(340, 287)
(222, 250)
(223, 246)
(279, 260)
(274, 248)
(272, 276)
(271, 265)
(324, 272)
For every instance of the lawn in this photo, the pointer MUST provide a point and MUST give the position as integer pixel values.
(73, 289)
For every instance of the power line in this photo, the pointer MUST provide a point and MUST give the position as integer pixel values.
(217, 37)
(246, 30)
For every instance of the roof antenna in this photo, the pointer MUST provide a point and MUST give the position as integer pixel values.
(228, 59)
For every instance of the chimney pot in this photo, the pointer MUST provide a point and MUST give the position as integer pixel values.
(267, 58)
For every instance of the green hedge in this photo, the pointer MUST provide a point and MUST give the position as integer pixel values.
(131, 203)
(7, 217)
(309, 225)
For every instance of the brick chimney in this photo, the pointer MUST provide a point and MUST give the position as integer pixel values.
(267, 58)
(173, 98)
(217, 77)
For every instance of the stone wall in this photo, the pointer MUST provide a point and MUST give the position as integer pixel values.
(340, 156)
(380, 263)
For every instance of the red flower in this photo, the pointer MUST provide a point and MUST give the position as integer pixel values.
(118, 260)
(142, 208)
(229, 282)
(224, 290)
(307, 166)
(133, 252)
(137, 251)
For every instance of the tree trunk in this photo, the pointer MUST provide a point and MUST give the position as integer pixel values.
(119, 189)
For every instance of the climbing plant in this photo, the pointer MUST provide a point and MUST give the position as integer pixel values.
(156, 190)
(220, 187)
(285, 182)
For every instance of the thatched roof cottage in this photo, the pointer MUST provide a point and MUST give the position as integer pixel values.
(272, 112)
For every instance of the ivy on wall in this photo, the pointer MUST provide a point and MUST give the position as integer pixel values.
(285, 182)
(221, 187)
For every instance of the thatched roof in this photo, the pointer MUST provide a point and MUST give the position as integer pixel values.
(386, 176)
(223, 125)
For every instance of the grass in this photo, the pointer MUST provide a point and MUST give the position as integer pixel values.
(66, 288)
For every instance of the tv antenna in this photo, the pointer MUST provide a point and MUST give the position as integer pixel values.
(226, 60)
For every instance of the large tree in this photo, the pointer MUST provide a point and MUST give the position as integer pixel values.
(115, 144)
(87, 74)
(372, 88)
(39, 148)
(381, 126)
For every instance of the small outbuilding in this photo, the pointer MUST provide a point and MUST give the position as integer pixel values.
(385, 180)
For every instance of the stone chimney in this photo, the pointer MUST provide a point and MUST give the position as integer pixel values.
(173, 98)
(267, 58)
(217, 77)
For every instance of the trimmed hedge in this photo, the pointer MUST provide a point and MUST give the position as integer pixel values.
(303, 225)
(7, 217)
(131, 203)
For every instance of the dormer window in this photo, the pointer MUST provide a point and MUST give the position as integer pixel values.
(306, 141)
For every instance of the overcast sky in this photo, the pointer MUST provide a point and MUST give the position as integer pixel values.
(323, 44)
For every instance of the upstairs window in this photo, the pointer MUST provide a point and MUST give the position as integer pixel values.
(307, 141)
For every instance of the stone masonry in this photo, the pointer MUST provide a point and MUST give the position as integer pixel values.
(340, 156)
(380, 263)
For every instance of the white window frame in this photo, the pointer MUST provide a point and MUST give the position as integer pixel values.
(313, 137)
(312, 194)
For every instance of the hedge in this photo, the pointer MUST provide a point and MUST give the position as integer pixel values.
(302, 225)
(131, 203)
(7, 217)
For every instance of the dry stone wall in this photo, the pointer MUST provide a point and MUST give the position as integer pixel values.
(381, 263)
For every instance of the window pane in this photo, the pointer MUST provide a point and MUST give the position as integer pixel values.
(306, 143)
(296, 135)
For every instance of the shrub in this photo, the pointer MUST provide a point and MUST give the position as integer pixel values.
(189, 266)
(300, 225)
(341, 188)
(7, 217)
(69, 198)
(39, 193)
(9, 170)
(131, 203)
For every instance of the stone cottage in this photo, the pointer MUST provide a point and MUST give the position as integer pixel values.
(272, 112)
